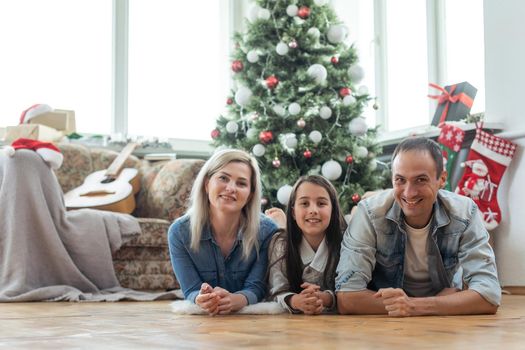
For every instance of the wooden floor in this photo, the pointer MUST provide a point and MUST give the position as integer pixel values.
(153, 326)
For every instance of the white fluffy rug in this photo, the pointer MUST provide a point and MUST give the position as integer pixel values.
(185, 307)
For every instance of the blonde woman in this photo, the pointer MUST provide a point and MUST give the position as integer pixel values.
(219, 249)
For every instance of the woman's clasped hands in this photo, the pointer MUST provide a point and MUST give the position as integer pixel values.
(218, 301)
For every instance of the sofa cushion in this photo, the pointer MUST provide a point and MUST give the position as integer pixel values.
(76, 166)
(144, 262)
(166, 189)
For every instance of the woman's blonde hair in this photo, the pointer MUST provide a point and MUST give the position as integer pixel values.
(199, 210)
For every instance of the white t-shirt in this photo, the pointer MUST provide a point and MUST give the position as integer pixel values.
(417, 280)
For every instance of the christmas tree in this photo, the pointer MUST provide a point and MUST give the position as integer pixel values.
(297, 102)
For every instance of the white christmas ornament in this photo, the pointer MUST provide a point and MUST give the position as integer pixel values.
(290, 140)
(325, 112)
(264, 14)
(318, 72)
(281, 48)
(357, 126)
(243, 96)
(332, 170)
(361, 152)
(362, 90)
(253, 13)
(251, 133)
(314, 33)
(356, 73)
(291, 10)
(337, 33)
(283, 194)
(252, 56)
(315, 136)
(348, 100)
(372, 164)
(321, 2)
(279, 110)
(298, 20)
(232, 127)
(258, 150)
(294, 108)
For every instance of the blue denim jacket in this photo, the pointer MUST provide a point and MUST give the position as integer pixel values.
(373, 247)
(232, 273)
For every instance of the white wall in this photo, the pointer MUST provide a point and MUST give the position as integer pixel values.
(505, 97)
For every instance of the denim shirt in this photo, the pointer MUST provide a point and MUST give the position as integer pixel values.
(373, 247)
(233, 273)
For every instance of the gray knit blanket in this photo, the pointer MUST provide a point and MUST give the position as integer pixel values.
(48, 253)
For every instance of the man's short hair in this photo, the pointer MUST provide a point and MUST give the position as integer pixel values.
(422, 144)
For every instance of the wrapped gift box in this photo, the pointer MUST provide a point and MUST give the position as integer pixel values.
(32, 131)
(454, 103)
(59, 119)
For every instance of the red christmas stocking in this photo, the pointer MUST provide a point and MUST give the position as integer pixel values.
(450, 140)
(487, 160)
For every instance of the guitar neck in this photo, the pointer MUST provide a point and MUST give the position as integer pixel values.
(117, 165)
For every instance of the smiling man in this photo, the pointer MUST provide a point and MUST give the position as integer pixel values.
(417, 249)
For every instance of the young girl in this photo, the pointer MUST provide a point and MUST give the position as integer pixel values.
(303, 259)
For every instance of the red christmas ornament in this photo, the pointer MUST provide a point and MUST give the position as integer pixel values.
(215, 133)
(229, 101)
(303, 12)
(307, 154)
(272, 82)
(293, 44)
(276, 162)
(264, 201)
(344, 91)
(266, 136)
(334, 60)
(349, 159)
(237, 66)
(356, 197)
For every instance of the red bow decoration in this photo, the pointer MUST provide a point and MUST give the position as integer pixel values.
(448, 97)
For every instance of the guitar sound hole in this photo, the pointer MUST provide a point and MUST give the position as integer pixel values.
(108, 180)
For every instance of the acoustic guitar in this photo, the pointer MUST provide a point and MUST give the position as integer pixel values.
(113, 189)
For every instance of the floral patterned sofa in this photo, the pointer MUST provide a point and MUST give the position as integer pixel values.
(142, 263)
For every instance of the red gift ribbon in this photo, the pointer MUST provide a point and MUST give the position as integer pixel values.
(447, 97)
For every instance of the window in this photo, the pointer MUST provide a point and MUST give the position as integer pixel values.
(178, 68)
(53, 53)
(415, 42)
(466, 47)
(407, 69)
(358, 16)
(451, 32)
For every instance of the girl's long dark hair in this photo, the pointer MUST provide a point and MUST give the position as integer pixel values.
(294, 235)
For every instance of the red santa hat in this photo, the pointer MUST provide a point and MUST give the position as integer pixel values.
(49, 152)
(33, 111)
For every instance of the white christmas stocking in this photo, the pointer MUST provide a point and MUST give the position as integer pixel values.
(487, 160)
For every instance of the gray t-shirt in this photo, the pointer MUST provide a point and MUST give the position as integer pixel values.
(417, 281)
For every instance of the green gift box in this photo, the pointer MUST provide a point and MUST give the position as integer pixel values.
(454, 103)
